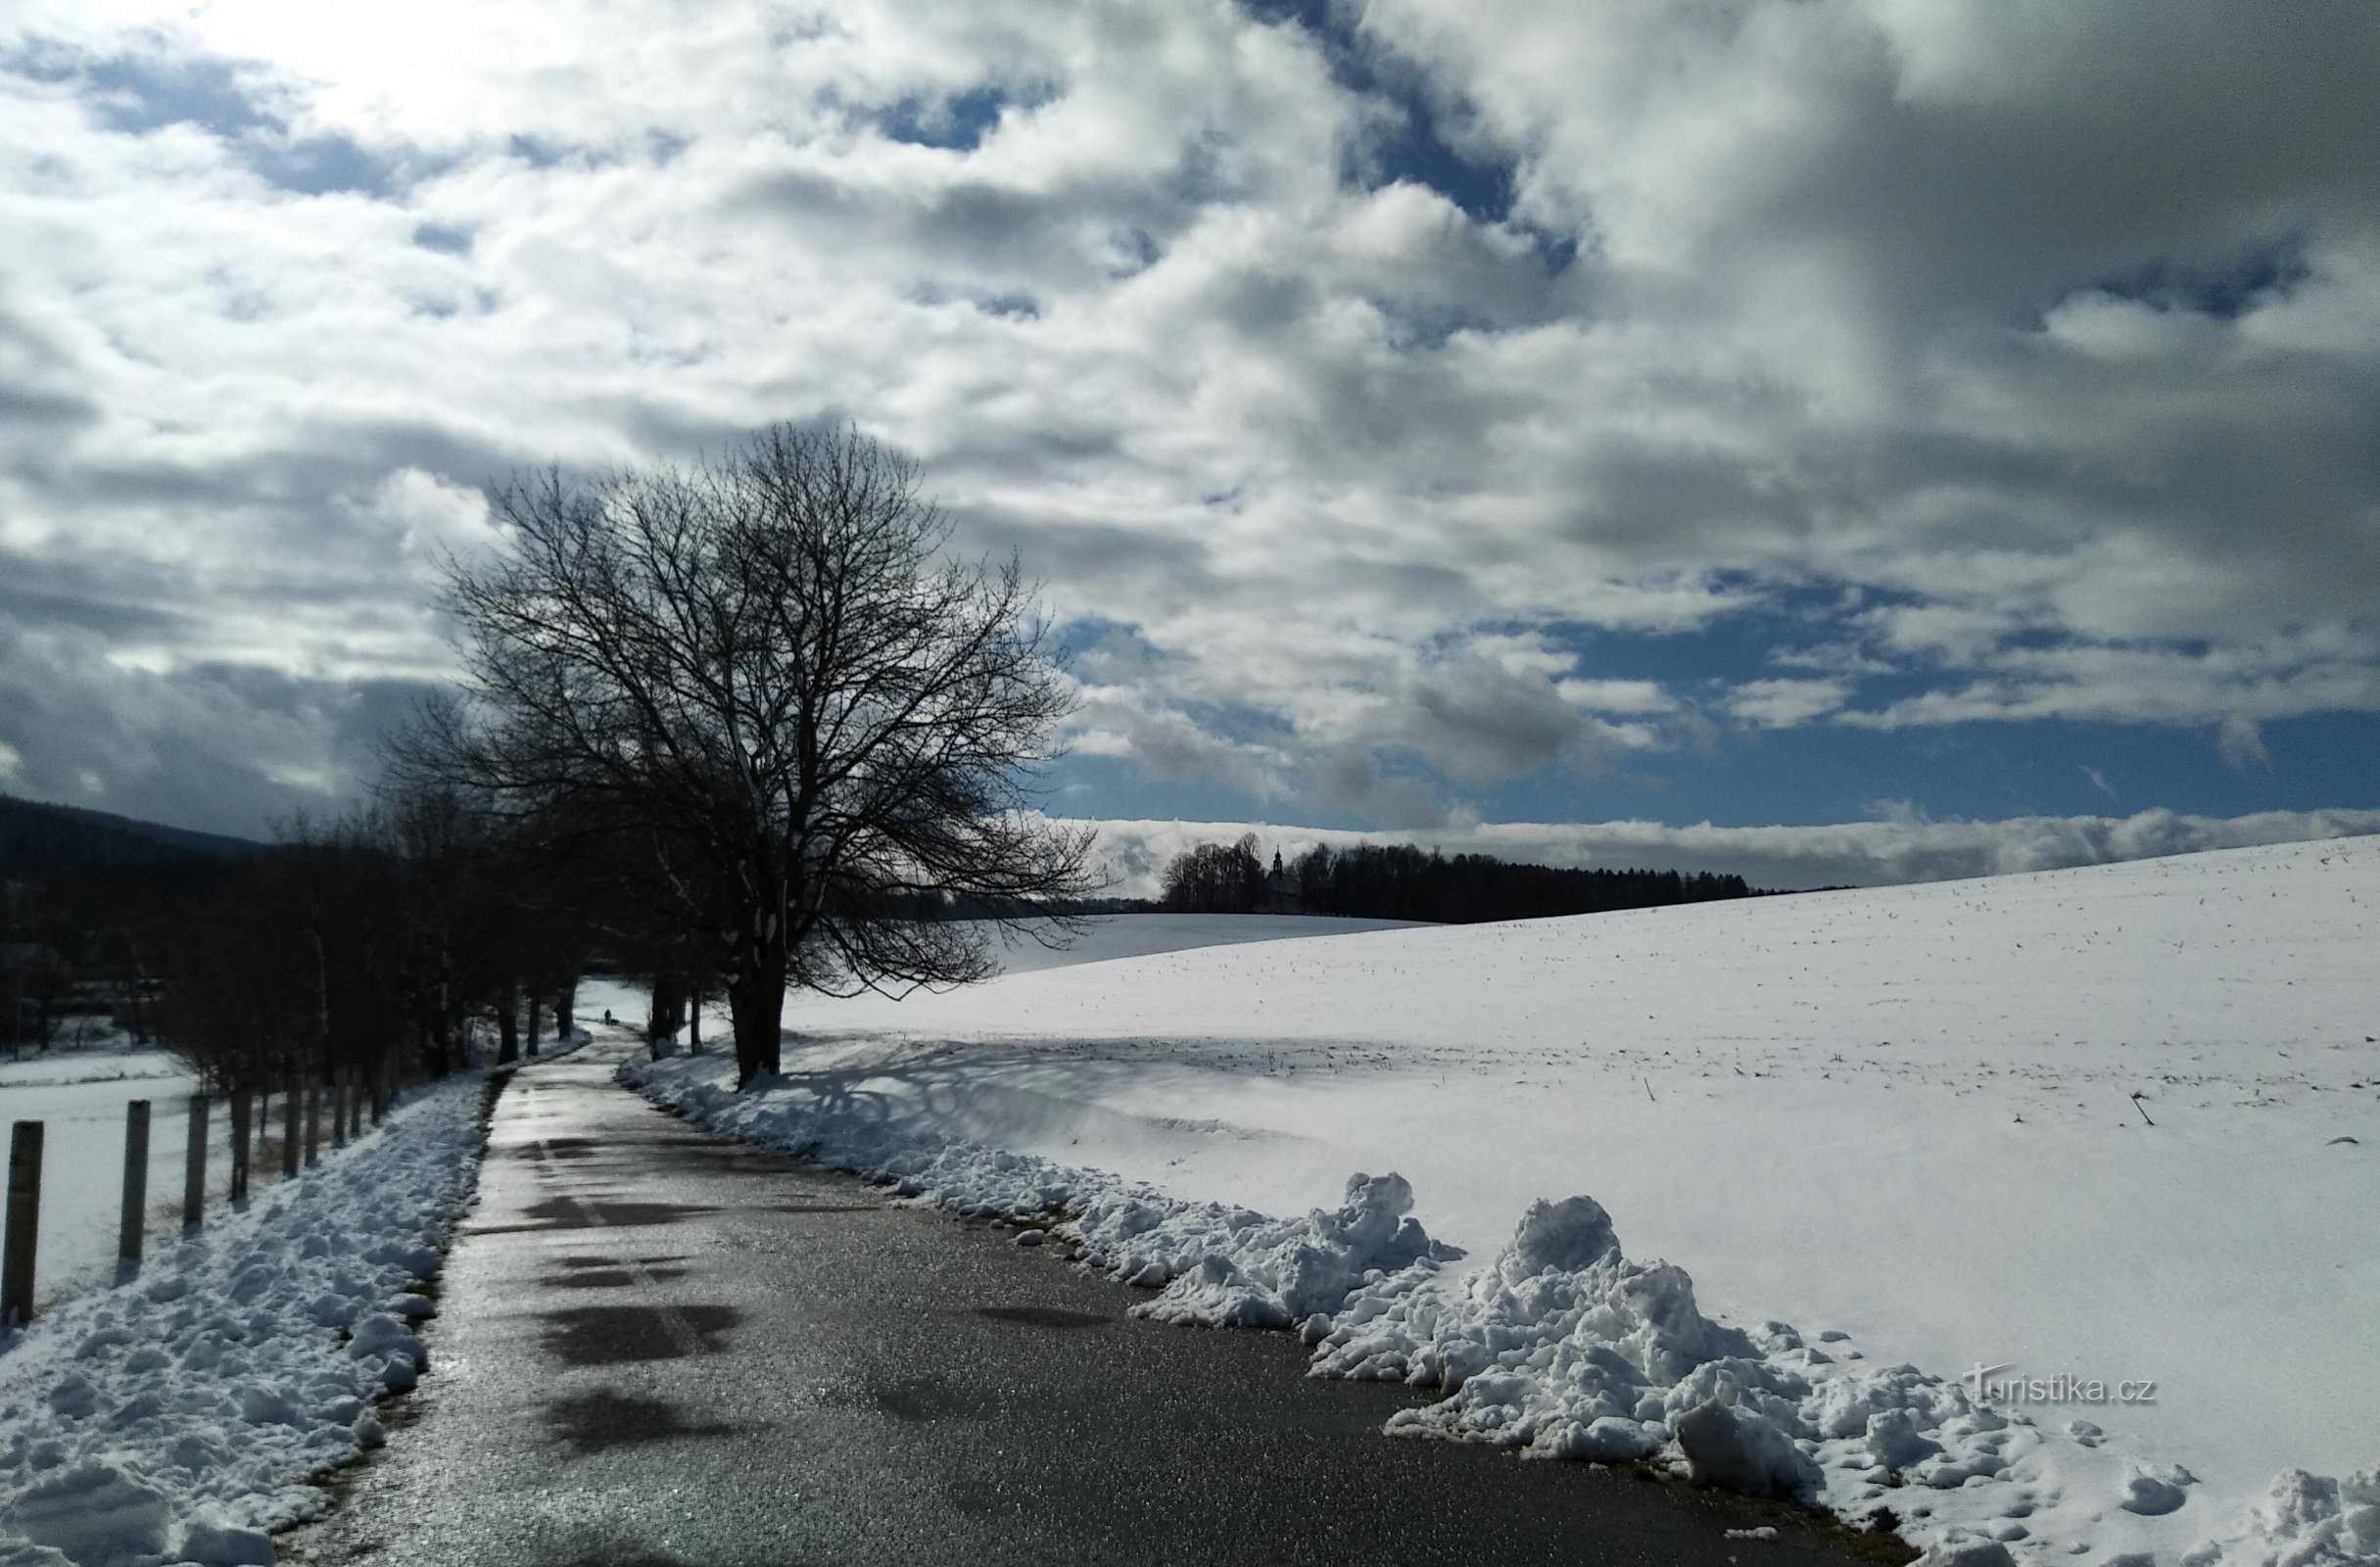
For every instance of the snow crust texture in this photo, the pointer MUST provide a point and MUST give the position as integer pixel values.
(1560, 1346)
(178, 1418)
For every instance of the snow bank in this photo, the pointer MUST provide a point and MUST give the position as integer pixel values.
(1560, 1346)
(178, 1418)
(1219, 1266)
(2306, 1521)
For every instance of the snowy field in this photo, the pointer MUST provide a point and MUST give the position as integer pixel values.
(1107, 938)
(1101, 940)
(81, 1098)
(1903, 1120)
(179, 1418)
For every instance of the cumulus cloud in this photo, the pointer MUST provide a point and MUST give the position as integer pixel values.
(1784, 703)
(1361, 370)
(2242, 742)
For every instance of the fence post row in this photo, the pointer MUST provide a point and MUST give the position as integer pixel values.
(23, 1222)
(134, 1220)
(194, 1165)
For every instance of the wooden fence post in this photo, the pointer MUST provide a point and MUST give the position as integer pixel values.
(135, 1219)
(194, 1167)
(23, 1223)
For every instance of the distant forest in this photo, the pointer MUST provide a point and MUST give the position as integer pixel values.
(38, 839)
(86, 902)
(1398, 881)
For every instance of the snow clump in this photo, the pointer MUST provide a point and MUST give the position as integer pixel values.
(2305, 1521)
(1235, 1268)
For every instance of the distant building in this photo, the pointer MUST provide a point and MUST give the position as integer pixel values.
(1280, 894)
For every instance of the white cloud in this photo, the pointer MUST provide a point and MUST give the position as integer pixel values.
(1786, 703)
(1616, 695)
(2242, 743)
(2046, 330)
(2286, 676)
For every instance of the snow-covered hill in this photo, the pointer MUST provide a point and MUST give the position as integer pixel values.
(1908, 1116)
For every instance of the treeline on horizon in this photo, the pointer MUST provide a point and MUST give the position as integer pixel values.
(1399, 881)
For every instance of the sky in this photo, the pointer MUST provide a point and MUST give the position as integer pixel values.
(1591, 428)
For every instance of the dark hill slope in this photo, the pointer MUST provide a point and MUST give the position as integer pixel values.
(37, 840)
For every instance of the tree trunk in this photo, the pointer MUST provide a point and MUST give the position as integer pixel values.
(756, 1000)
(758, 1005)
(565, 1004)
(665, 1013)
(537, 1003)
(507, 1026)
(694, 1024)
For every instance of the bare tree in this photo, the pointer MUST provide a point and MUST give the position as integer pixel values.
(760, 692)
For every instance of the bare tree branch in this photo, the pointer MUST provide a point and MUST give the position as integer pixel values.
(762, 694)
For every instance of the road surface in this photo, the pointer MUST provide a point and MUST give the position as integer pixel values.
(658, 1345)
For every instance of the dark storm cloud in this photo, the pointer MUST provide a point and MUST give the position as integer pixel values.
(222, 748)
(1484, 723)
(115, 602)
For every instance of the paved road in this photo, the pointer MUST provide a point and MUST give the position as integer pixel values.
(658, 1345)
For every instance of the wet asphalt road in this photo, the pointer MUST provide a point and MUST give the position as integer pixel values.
(658, 1345)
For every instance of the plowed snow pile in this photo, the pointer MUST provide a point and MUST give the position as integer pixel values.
(2068, 1179)
(179, 1418)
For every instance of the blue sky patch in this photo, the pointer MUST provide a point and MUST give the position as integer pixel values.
(957, 122)
(1411, 143)
(2224, 290)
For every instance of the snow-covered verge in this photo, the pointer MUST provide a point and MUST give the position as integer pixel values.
(178, 1418)
(2109, 1123)
(1560, 1347)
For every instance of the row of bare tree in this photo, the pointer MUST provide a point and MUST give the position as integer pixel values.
(733, 728)
(754, 718)
(374, 949)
